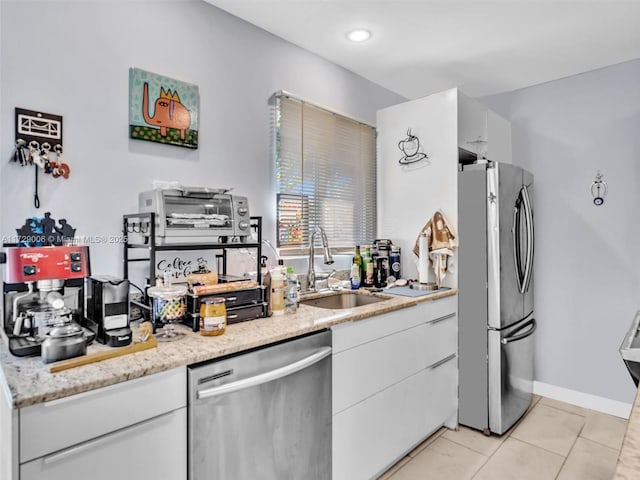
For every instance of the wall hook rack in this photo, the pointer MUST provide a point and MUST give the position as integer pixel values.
(599, 189)
(39, 144)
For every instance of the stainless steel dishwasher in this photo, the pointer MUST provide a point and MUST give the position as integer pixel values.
(263, 415)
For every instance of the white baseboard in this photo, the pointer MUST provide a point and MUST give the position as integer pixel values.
(585, 400)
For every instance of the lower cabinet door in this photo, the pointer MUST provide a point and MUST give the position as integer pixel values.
(371, 435)
(150, 450)
(441, 404)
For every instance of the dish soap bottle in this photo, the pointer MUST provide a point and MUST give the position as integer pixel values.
(266, 283)
(354, 277)
(291, 299)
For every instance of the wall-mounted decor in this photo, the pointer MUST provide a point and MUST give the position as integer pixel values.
(43, 231)
(38, 126)
(410, 148)
(599, 189)
(35, 133)
(162, 109)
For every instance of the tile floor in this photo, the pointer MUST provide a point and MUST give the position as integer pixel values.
(554, 440)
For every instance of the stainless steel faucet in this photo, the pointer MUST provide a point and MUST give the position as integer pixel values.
(328, 258)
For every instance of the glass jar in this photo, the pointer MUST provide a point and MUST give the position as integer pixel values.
(213, 316)
(168, 306)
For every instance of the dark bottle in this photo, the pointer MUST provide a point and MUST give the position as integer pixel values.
(381, 272)
(394, 263)
(369, 266)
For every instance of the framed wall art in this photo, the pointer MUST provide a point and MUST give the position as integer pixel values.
(163, 109)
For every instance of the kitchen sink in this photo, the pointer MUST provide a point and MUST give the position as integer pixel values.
(341, 301)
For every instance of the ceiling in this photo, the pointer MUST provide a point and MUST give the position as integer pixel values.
(420, 47)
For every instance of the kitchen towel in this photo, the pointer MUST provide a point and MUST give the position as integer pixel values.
(441, 241)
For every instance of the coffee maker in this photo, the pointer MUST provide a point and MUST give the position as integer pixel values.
(108, 310)
(382, 266)
(43, 290)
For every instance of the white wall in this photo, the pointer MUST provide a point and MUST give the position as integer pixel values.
(409, 195)
(76, 64)
(587, 258)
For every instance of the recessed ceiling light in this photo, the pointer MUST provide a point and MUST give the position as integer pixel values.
(359, 35)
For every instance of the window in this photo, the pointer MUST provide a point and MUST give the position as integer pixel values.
(326, 176)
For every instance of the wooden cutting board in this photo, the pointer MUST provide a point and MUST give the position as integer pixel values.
(103, 355)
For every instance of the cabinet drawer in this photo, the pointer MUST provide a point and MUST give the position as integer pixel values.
(367, 369)
(440, 338)
(249, 312)
(352, 334)
(232, 299)
(371, 436)
(55, 425)
(129, 454)
(435, 309)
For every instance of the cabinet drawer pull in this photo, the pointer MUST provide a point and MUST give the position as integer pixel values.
(443, 361)
(231, 299)
(103, 439)
(441, 319)
(231, 317)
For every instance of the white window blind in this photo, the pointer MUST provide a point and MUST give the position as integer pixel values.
(326, 176)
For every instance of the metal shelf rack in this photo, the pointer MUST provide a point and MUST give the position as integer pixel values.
(146, 224)
(143, 225)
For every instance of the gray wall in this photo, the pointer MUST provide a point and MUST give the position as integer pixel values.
(587, 260)
(78, 67)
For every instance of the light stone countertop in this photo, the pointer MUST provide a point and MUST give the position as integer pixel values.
(27, 380)
(628, 467)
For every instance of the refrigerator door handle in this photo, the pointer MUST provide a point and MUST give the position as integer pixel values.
(528, 271)
(515, 235)
(515, 338)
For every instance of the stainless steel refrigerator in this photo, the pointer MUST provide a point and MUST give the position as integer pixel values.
(495, 310)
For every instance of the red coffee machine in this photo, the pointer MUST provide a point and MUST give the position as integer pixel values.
(43, 290)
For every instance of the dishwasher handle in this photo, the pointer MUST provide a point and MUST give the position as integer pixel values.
(265, 377)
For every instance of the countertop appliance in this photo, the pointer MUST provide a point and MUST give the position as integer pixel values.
(108, 309)
(495, 309)
(196, 215)
(264, 414)
(43, 290)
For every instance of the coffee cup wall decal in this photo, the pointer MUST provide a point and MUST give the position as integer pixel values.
(410, 148)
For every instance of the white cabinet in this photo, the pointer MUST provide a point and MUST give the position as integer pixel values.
(132, 430)
(498, 138)
(481, 130)
(368, 437)
(9, 418)
(441, 406)
(394, 383)
(153, 449)
(472, 124)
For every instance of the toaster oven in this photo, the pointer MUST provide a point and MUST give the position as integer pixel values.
(197, 215)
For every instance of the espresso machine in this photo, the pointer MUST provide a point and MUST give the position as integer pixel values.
(43, 292)
(108, 310)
